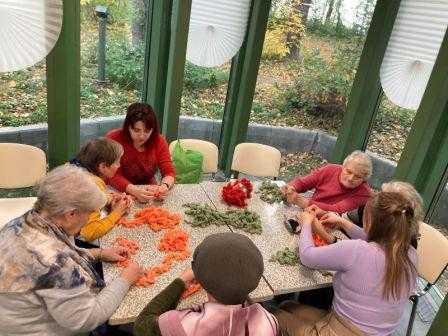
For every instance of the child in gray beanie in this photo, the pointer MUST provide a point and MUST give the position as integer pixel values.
(228, 266)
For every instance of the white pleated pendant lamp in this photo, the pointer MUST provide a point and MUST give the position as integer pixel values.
(29, 30)
(217, 30)
(412, 50)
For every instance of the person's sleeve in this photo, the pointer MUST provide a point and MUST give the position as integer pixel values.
(310, 181)
(356, 232)
(347, 204)
(97, 227)
(334, 257)
(80, 310)
(147, 321)
(164, 159)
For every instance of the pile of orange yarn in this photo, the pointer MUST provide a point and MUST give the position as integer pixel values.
(156, 218)
(175, 242)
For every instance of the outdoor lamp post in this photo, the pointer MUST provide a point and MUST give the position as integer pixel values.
(101, 12)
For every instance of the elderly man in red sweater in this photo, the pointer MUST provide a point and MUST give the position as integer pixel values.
(337, 188)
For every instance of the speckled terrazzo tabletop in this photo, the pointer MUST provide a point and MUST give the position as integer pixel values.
(282, 279)
(149, 255)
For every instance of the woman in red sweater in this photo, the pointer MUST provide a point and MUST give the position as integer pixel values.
(337, 188)
(145, 151)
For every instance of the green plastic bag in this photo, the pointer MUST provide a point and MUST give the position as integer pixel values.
(188, 164)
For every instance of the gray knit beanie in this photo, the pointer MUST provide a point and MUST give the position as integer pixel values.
(229, 266)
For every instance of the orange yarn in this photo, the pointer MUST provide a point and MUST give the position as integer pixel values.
(174, 240)
(130, 246)
(191, 289)
(156, 218)
(318, 240)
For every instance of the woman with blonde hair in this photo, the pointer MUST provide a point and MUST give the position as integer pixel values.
(375, 271)
(48, 285)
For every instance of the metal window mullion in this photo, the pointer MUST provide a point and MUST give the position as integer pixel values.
(63, 88)
(242, 82)
(176, 66)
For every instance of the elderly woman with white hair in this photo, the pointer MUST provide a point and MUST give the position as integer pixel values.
(48, 285)
(337, 188)
(404, 188)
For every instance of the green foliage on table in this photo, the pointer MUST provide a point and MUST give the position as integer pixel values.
(286, 257)
(203, 215)
(271, 193)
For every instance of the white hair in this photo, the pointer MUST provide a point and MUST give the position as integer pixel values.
(67, 188)
(408, 191)
(361, 159)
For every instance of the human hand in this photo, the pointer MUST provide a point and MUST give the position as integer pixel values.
(291, 197)
(187, 276)
(140, 193)
(162, 191)
(287, 189)
(331, 219)
(129, 200)
(120, 205)
(318, 211)
(319, 229)
(110, 197)
(301, 201)
(157, 191)
(132, 273)
(113, 254)
(306, 217)
(151, 188)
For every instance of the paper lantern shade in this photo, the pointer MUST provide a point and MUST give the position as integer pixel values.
(412, 50)
(217, 30)
(28, 31)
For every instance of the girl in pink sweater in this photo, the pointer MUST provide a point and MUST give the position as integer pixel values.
(375, 272)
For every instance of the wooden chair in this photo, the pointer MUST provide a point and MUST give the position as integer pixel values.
(256, 160)
(208, 149)
(432, 254)
(22, 166)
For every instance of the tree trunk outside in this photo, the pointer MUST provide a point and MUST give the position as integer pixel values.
(339, 19)
(139, 12)
(294, 47)
(329, 11)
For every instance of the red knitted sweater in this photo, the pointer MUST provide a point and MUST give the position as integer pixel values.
(329, 193)
(140, 167)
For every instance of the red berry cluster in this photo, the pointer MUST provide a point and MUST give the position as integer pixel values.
(237, 192)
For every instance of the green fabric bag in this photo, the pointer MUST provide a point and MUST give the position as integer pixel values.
(188, 164)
